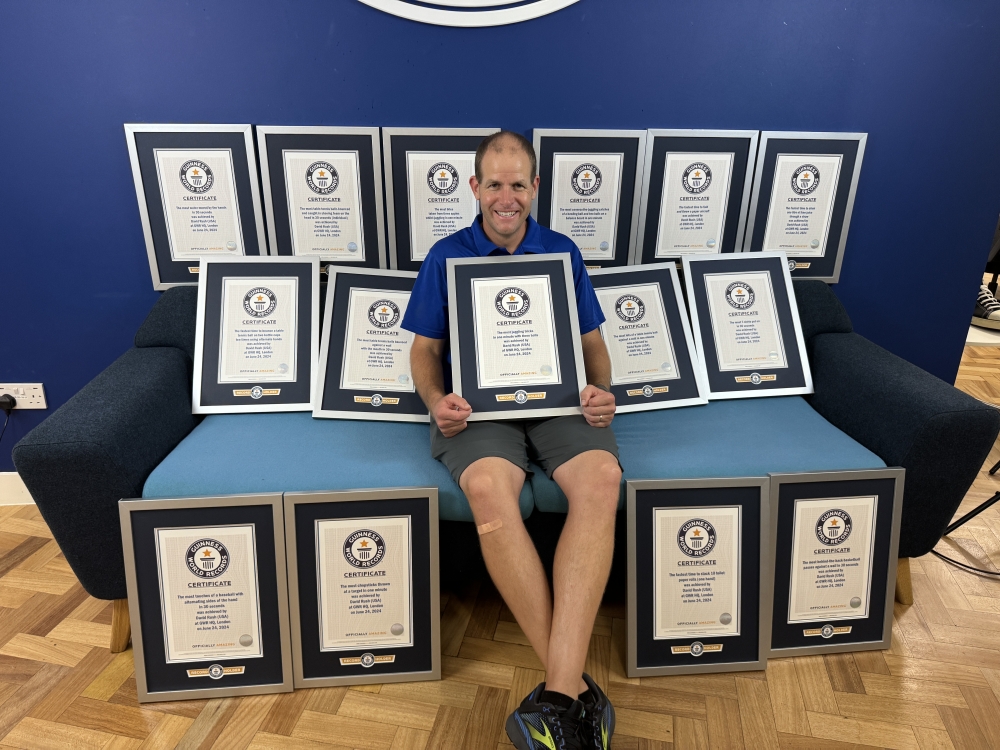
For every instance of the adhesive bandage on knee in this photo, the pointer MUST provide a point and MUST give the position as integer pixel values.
(486, 528)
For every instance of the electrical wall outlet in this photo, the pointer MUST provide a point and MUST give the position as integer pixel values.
(27, 395)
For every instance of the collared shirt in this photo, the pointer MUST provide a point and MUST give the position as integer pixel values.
(427, 310)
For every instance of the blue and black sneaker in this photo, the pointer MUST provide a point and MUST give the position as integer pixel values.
(537, 725)
(599, 721)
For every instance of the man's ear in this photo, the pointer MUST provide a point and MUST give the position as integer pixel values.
(534, 186)
(474, 184)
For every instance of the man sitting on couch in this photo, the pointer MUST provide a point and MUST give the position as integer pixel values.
(489, 459)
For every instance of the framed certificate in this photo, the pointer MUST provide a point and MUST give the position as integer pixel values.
(836, 538)
(256, 335)
(699, 566)
(803, 197)
(323, 193)
(363, 580)
(747, 325)
(427, 189)
(364, 358)
(695, 192)
(207, 596)
(590, 189)
(198, 196)
(654, 362)
(515, 336)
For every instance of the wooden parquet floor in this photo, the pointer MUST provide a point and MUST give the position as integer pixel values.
(937, 687)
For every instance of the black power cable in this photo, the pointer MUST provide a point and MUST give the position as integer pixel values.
(7, 402)
(953, 561)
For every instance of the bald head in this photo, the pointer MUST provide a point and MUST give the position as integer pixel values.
(505, 141)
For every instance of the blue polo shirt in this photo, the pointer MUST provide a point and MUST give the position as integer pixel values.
(427, 310)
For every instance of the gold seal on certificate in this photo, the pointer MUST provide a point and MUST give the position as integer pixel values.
(515, 332)
(696, 574)
(832, 553)
(636, 334)
(805, 187)
(585, 190)
(209, 592)
(376, 348)
(440, 197)
(694, 203)
(259, 330)
(365, 583)
(324, 204)
(744, 321)
(199, 202)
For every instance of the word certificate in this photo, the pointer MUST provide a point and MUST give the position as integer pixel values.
(209, 592)
(745, 323)
(515, 332)
(832, 549)
(376, 348)
(324, 204)
(198, 189)
(365, 583)
(694, 203)
(585, 193)
(441, 200)
(259, 336)
(798, 219)
(696, 571)
(636, 333)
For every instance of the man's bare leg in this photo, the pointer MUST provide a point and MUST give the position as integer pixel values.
(493, 486)
(591, 482)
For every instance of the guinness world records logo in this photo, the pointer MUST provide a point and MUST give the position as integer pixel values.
(696, 538)
(383, 314)
(207, 558)
(739, 295)
(364, 548)
(833, 527)
(196, 176)
(512, 302)
(630, 308)
(697, 177)
(260, 302)
(442, 178)
(586, 179)
(322, 178)
(805, 179)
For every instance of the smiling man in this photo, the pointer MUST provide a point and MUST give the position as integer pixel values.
(489, 460)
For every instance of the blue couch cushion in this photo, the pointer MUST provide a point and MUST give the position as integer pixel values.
(231, 454)
(747, 437)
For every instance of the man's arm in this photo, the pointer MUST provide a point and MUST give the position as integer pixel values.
(449, 411)
(596, 399)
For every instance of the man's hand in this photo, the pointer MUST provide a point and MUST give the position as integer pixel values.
(450, 413)
(598, 406)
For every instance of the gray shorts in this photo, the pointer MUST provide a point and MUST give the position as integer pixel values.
(548, 442)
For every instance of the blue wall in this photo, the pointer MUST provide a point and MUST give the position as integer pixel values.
(921, 77)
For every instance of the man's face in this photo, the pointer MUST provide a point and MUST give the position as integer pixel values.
(506, 191)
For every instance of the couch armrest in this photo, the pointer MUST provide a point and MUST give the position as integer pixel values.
(909, 418)
(98, 448)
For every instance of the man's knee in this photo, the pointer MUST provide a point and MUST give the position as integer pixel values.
(597, 483)
(492, 484)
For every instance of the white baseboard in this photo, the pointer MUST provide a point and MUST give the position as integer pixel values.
(12, 490)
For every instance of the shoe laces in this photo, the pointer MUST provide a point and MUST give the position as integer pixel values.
(986, 299)
(566, 725)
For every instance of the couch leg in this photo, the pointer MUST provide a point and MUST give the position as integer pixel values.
(904, 588)
(121, 628)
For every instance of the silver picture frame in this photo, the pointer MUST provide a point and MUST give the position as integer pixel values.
(263, 131)
(294, 499)
(125, 510)
(574, 322)
(198, 407)
(388, 133)
(769, 135)
(766, 567)
(644, 207)
(131, 129)
(777, 481)
(321, 384)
